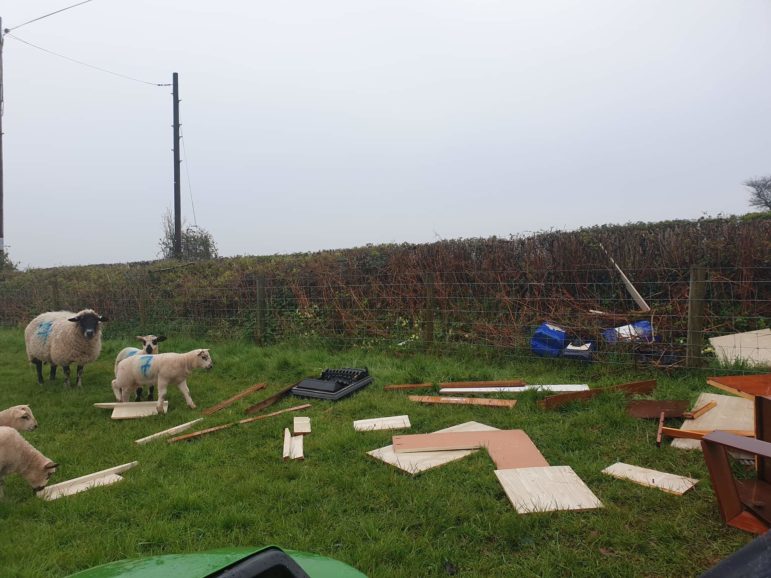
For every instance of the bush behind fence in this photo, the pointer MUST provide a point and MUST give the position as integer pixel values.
(490, 292)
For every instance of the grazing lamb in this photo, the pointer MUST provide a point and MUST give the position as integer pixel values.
(62, 338)
(150, 347)
(162, 370)
(17, 456)
(19, 417)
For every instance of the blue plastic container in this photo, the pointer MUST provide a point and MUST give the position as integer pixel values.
(549, 340)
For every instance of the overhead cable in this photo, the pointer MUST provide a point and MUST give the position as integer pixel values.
(85, 63)
(46, 15)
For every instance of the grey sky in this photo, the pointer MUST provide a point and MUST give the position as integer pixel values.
(314, 125)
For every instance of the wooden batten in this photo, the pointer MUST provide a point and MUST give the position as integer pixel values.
(496, 384)
(231, 400)
(83, 483)
(507, 403)
(408, 386)
(168, 432)
(382, 423)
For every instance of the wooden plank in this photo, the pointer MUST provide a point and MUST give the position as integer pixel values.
(231, 400)
(747, 386)
(508, 403)
(652, 408)
(698, 434)
(660, 432)
(76, 485)
(301, 426)
(287, 443)
(114, 404)
(241, 421)
(381, 423)
(637, 387)
(267, 402)
(463, 384)
(404, 386)
(296, 448)
(546, 489)
(731, 413)
(670, 483)
(507, 448)
(698, 412)
(133, 410)
(168, 432)
(545, 387)
(418, 462)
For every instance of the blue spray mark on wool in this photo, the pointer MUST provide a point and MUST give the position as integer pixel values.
(44, 330)
(132, 353)
(147, 361)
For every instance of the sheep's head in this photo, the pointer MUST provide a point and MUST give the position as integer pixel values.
(23, 418)
(204, 359)
(150, 343)
(88, 320)
(38, 477)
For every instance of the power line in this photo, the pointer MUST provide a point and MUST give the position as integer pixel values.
(189, 186)
(85, 63)
(47, 15)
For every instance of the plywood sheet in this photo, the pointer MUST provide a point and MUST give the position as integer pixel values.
(751, 347)
(652, 408)
(420, 462)
(670, 483)
(546, 489)
(544, 387)
(134, 410)
(381, 423)
(296, 448)
(83, 483)
(301, 425)
(732, 413)
(507, 448)
(168, 432)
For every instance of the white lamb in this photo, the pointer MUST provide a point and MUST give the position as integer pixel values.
(17, 456)
(160, 370)
(150, 347)
(63, 338)
(19, 417)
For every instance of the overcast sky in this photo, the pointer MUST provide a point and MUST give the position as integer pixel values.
(316, 125)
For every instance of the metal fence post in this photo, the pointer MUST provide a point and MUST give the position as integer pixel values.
(696, 308)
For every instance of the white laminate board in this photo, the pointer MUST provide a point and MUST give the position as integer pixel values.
(670, 483)
(415, 463)
(135, 410)
(555, 388)
(546, 489)
(750, 347)
(75, 485)
(381, 423)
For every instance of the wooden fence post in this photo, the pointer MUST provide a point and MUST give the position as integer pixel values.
(260, 311)
(428, 310)
(696, 308)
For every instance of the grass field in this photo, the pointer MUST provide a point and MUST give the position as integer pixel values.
(232, 488)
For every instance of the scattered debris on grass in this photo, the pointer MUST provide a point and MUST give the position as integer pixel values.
(670, 483)
(301, 426)
(429, 399)
(381, 423)
(168, 432)
(546, 489)
(638, 387)
(230, 401)
(83, 483)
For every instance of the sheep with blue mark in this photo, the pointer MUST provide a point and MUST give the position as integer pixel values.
(162, 370)
(62, 338)
(149, 347)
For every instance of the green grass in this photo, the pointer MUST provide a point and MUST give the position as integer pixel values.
(232, 488)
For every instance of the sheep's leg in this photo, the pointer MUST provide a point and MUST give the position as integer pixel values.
(52, 374)
(150, 393)
(116, 390)
(39, 370)
(186, 393)
(161, 394)
(80, 376)
(66, 370)
(139, 394)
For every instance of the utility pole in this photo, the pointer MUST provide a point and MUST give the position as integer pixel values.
(2, 234)
(177, 202)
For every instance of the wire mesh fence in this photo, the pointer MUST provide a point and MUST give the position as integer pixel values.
(497, 309)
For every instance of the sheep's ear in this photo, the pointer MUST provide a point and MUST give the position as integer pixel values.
(102, 318)
(202, 352)
(140, 337)
(161, 338)
(51, 465)
(74, 319)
